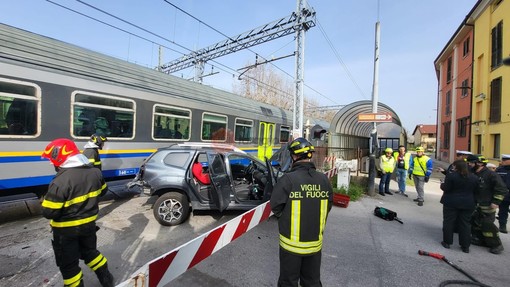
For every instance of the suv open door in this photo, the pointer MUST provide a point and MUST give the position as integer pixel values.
(220, 181)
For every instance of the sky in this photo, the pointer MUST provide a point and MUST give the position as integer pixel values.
(339, 50)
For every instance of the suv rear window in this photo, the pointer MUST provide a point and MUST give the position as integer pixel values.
(178, 159)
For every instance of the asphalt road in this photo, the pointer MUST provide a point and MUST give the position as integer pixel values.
(359, 249)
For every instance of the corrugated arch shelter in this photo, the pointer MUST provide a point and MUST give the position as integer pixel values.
(346, 133)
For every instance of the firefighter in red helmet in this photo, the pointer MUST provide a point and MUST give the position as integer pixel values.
(71, 204)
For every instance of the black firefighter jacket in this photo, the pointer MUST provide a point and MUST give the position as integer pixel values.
(73, 196)
(302, 199)
(492, 189)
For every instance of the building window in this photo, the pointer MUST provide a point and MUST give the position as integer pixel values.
(497, 45)
(446, 135)
(497, 145)
(478, 144)
(495, 101)
(462, 127)
(449, 70)
(448, 99)
(465, 49)
(464, 88)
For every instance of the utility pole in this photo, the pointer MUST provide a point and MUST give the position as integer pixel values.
(300, 51)
(374, 144)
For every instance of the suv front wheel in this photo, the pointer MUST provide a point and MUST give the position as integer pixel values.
(171, 209)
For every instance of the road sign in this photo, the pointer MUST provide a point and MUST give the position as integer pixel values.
(375, 117)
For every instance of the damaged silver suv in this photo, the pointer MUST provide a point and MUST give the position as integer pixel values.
(237, 180)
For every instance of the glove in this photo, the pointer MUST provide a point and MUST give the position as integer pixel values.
(410, 176)
(426, 179)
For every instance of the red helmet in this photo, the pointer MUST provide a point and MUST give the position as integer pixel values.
(59, 150)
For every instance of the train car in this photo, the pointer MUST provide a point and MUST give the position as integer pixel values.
(50, 89)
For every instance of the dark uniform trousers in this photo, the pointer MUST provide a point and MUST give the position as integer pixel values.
(71, 244)
(292, 265)
(483, 228)
(503, 210)
(457, 220)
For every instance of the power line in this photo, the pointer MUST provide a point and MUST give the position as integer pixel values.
(230, 70)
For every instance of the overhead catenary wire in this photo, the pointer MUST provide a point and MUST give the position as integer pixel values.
(226, 68)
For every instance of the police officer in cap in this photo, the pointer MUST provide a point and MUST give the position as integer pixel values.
(301, 200)
(461, 154)
(491, 192)
(504, 171)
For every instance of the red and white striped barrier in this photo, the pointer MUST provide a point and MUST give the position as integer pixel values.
(169, 266)
(330, 159)
(332, 172)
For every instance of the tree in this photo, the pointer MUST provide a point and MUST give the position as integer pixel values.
(263, 84)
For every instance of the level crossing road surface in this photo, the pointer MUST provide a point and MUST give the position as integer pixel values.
(359, 249)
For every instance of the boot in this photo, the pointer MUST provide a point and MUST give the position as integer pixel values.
(497, 250)
(104, 276)
(502, 228)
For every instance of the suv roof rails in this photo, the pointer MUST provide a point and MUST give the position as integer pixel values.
(212, 145)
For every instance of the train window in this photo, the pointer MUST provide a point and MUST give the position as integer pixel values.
(243, 130)
(171, 123)
(214, 127)
(105, 115)
(284, 134)
(19, 109)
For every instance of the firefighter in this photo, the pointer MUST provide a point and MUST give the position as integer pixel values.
(301, 200)
(71, 204)
(420, 169)
(491, 192)
(504, 171)
(92, 147)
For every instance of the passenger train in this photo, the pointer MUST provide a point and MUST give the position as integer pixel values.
(51, 89)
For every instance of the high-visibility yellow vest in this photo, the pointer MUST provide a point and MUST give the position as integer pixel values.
(387, 164)
(420, 165)
(407, 157)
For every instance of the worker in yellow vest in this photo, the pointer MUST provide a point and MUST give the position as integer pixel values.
(420, 169)
(387, 164)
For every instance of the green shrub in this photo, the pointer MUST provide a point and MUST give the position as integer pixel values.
(355, 191)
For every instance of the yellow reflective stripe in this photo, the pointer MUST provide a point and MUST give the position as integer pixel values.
(97, 162)
(97, 263)
(91, 160)
(295, 220)
(324, 214)
(71, 223)
(300, 247)
(488, 234)
(74, 281)
(499, 197)
(82, 198)
(487, 209)
(52, 204)
(305, 149)
(58, 205)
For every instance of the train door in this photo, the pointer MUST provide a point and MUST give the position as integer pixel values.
(266, 140)
(220, 181)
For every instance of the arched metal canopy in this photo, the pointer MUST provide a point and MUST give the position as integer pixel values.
(345, 120)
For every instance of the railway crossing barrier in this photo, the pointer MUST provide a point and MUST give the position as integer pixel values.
(170, 265)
